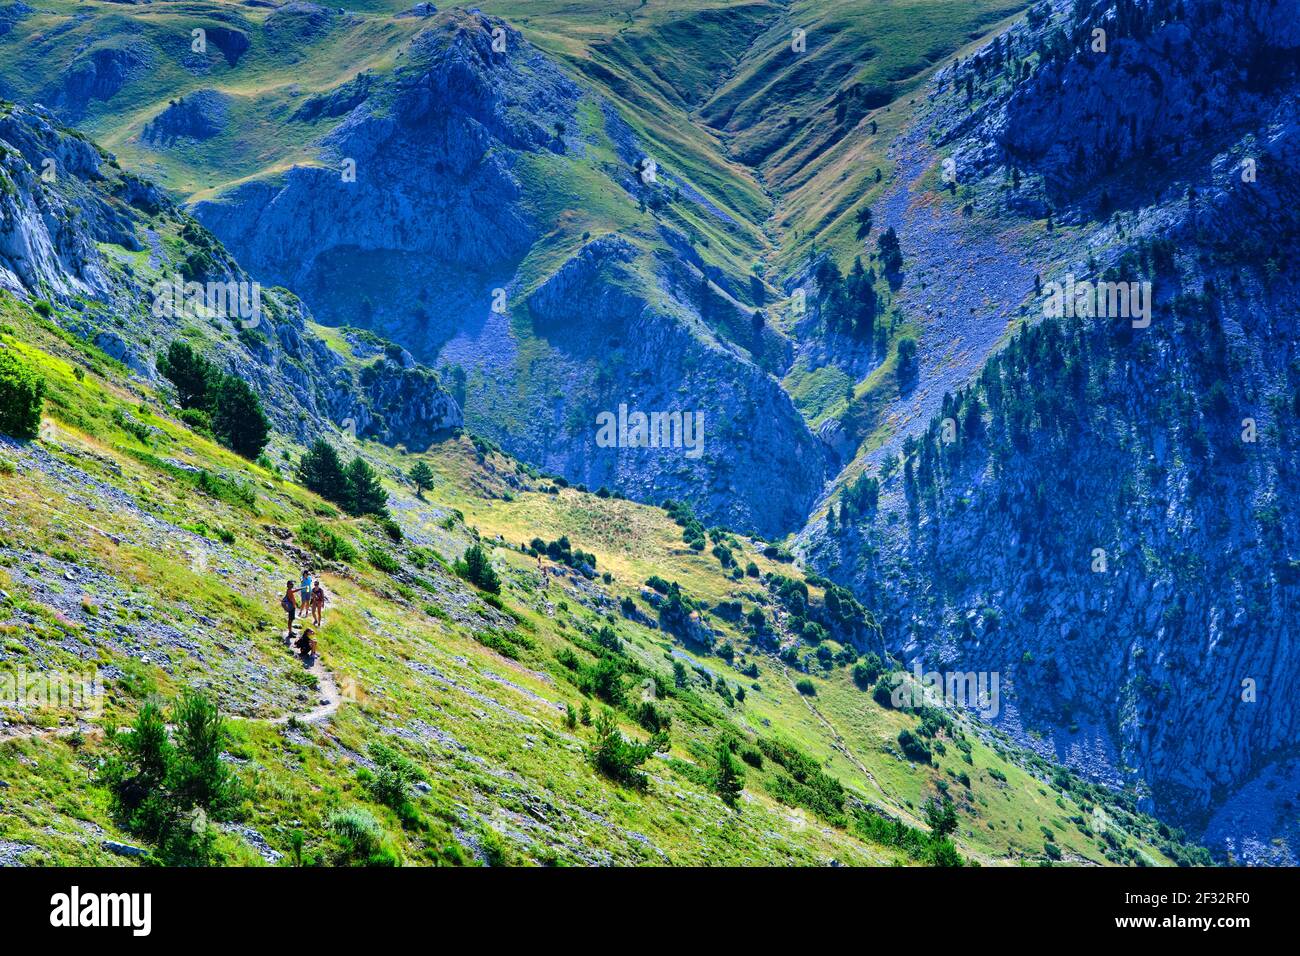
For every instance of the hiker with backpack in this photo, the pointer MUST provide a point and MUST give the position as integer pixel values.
(290, 606)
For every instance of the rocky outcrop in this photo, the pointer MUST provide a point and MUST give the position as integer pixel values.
(756, 466)
(416, 227)
(10, 14)
(51, 216)
(198, 116)
(97, 74)
(232, 42)
(394, 399)
(51, 229)
(338, 101)
(434, 177)
(1107, 516)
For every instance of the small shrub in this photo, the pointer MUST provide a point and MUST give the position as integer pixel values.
(383, 560)
(325, 542)
(22, 394)
(913, 747)
(360, 839)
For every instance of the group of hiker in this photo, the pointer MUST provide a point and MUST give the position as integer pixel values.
(299, 601)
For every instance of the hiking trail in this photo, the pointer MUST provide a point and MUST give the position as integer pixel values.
(328, 695)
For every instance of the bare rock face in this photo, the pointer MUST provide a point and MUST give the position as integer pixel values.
(232, 42)
(756, 465)
(1116, 528)
(395, 400)
(416, 229)
(97, 74)
(48, 235)
(433, 184)
(50, 228)
(196, 117)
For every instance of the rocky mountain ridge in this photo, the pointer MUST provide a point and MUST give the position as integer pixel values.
(1105, 515)
(77, 230)
(452, 155)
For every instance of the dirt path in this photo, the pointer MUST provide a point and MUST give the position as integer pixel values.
(841, 745)
(329, 696)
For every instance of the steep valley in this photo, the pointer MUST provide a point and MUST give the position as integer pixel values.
(832, 228)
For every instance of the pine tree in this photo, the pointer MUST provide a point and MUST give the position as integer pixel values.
(199, 777)
(321, 471)
(941, 816)
(237, 417)
(891, 256)
(728, 778)
(864, 220)
(479, 571)
(194, 376)
(365, 495)
(422, 477)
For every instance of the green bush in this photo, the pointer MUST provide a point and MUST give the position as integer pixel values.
(941, 816)
(868, 668)
(477, 569)
(22, 394)
(617, 757)
(883, 692)
(197, 420)
(360, 839)
(393, 776)
(804, 783)
(913, 747)
(325, 542)
(383, 560)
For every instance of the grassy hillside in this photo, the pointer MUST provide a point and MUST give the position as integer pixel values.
(131, 543)
(767, 154)
(782, 143)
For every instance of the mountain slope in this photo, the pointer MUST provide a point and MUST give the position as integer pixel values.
(114, 250)
(1107, 517)
(499, 228)
(471, 688)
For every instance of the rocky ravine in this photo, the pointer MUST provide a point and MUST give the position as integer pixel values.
(453, 155)
(1169, 448)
